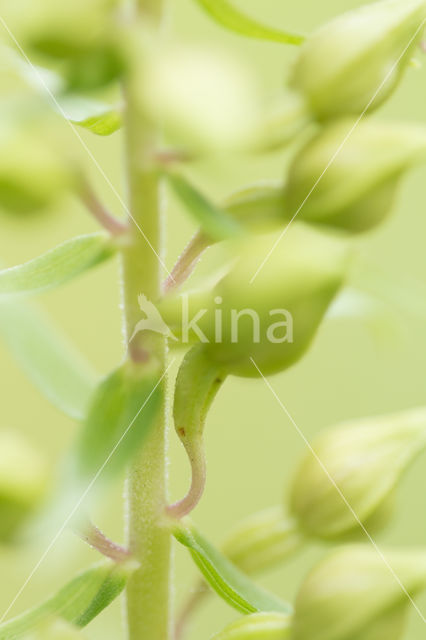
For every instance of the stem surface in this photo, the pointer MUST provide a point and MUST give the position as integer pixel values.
(148, 592)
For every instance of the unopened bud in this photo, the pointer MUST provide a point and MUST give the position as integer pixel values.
(203, 99)
(347, 176)
(272, 301)
(357, 592)
(34, 170)
(353, 63)
(23, 483)
(258, 626)
(344, 484)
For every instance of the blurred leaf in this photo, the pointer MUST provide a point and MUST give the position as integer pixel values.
(51, 363)
(214, 221)
(123, 411)
(57, 266)
(228, 581)
(235, 20)
(78, 602)
(98, 117)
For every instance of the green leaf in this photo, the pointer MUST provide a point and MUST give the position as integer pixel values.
(214, 221)
(228, 581)
(78, 602)
(235, 20)
(44, 354)
(98, 117)
(57, 266)
(123, 411)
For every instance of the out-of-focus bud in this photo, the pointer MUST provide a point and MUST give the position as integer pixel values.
(78, 34)
(358, 464)
(258, 626)
(34, 170)
(268, 306)
(272, 302)
(23, 482)
(204, 99)
(347, 176)
(357, 593)
(262, 540)
(354, 62)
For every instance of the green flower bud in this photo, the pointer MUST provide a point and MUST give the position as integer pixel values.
(23, 482)
(350, 182)
(273, 318)
(262, 540)
(258, 626)
(362, 461)
(356, 593)
(78, 34)
(354, 62)
(34, 171)
(204, 100)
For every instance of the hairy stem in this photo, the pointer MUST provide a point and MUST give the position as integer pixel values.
(148, 538)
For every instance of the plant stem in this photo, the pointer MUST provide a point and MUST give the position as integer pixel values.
(148, 538)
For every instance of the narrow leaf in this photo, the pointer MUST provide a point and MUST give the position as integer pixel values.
(123, 411)
(51, 363)
(235, 20)
(228, 581)
(78, 602)
(98, 117)
(57, 266)
(216, 223)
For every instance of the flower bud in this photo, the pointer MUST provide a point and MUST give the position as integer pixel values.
(262, 540)
(203, 99)
(268, 306)
(23, 482)
(350, 181)
(34, 171)
(270, 312)
(356, 593)
(354, 470)
(258, 626)
(78, 34)
(354, 62)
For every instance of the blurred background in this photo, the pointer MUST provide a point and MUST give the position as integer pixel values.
(352, 370)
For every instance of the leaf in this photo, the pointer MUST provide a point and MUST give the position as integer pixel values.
(123, 411)
(98, 117)
(78, 602)
(50, 362)
(235, 20)
(57, 266)
(228, 581)
(214, 221)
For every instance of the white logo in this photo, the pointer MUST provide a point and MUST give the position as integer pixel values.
(153, 321)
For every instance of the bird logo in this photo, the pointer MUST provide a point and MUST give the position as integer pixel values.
(153, 321)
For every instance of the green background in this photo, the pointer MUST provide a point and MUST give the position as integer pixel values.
(354, 369)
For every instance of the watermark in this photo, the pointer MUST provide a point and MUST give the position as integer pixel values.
(224, 325)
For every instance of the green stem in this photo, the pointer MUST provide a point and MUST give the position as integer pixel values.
(148, 592)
